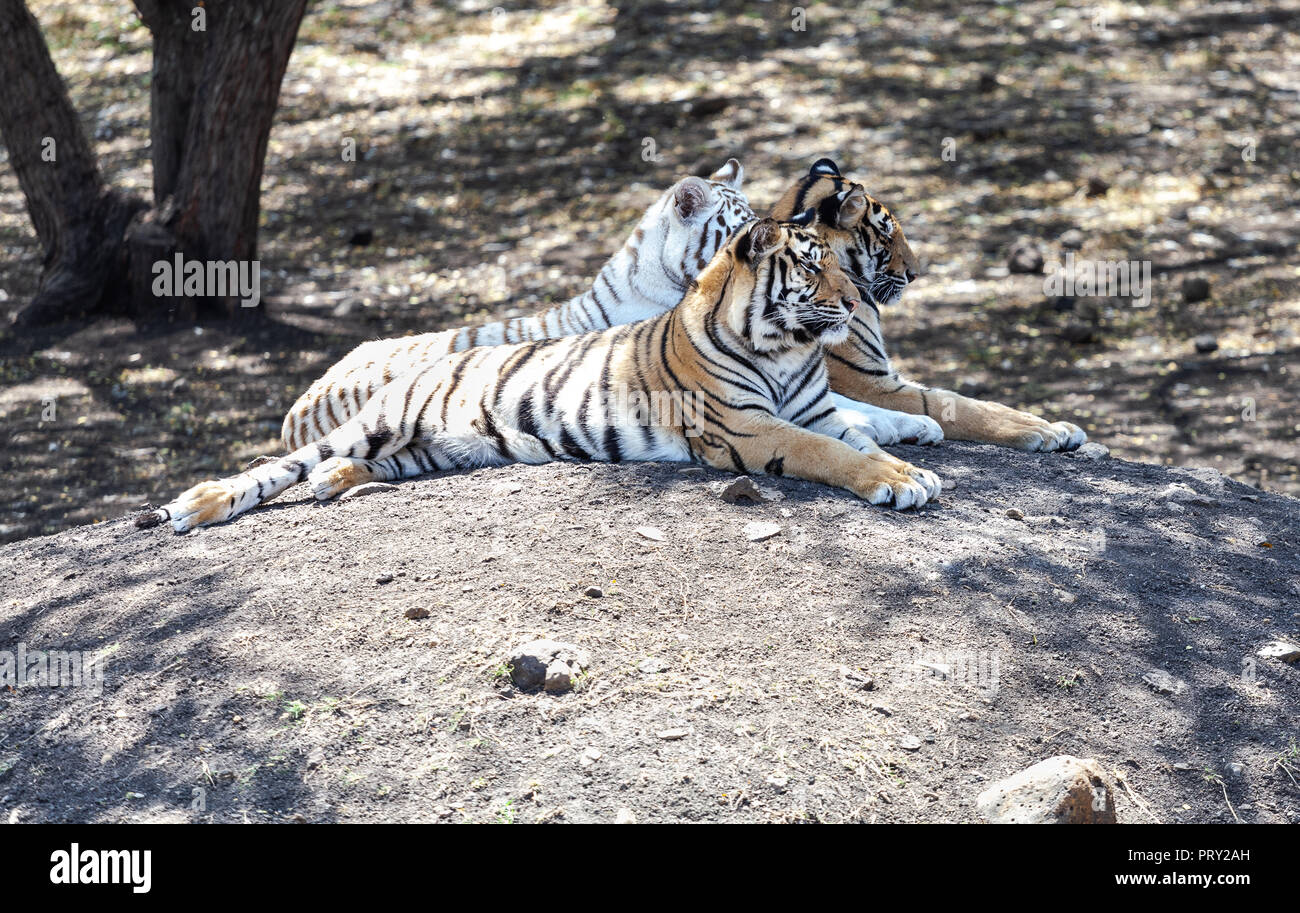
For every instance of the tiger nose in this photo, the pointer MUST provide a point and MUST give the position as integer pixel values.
(850, 304)
(909, 274)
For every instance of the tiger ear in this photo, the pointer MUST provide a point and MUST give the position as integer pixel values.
(853, 205)
(824, 168)
(730, 174)
(762, 238)
(690, 198)
(804, 219)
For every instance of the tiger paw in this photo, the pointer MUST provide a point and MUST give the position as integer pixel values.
(891, 482)
(336, 475)
(1038, 435)
(202, 505)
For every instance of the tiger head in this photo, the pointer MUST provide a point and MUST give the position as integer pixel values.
(864, 234)
(697, 216)
(790, 289)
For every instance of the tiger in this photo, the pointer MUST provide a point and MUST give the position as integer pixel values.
(873, 251)
(737, 370)
(675, 239)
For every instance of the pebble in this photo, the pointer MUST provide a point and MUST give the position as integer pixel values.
(625, 816)
(651, 666)
(1015, 514)
(741, 490)
(369, 488)
(651, 532)
(672, 735)
(1206, 343)
(1162, 682)
(1072, 239)
(909, 743)
(757, 532)
(1093, 451)
(416, 612)
(1279, 649)
(594, 592)
(548, 664)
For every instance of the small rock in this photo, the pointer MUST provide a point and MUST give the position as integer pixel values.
(1161, 682)
(672, 735)
(1060, 790)
(1234, 770)
(362, 236)
(651, 532)
(1015, 514)
(1093, 451)
(741, 490)
(757, 532)
(651, 666)
(1025, 257)
(909, 743)
(1072, 239)
(593, 592)
(546, 663)
(858, 679)
(369, 488)
(589, 756)
(625, 816)
(415, 613)
(1206, 343)
(1279, 649)
(1195, 288)
(777, 781)
(384, 578)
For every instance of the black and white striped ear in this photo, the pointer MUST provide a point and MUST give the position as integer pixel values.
(824, 168)
(759, 241)
(690, 198)
(804, 219)
(731, 174)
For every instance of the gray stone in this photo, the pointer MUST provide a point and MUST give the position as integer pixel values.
(1093, 451)
(1161, 682)
(1060, 790)
(549, 664)
(1279, 649)
(757, 532)
(741, 490)
(1072, 239)
(593, 592)
(369, 488)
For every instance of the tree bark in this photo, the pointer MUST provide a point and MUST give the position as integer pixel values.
(78, 219)
(213, 99)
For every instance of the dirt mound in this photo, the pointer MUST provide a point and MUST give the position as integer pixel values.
(859, 664)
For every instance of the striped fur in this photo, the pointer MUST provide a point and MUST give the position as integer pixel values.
(871, 248)
(734, 377)
(671, 244)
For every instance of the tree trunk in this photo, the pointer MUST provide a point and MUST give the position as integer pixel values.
(212, 101)
(78, 219)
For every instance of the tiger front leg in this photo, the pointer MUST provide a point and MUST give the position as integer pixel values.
(836, 425)
(960, 417)
(780, 448)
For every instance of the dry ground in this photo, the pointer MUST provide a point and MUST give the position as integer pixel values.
(270, 661)
(500, 161)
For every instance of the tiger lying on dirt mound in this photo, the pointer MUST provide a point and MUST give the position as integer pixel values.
(674, 240)
(871, 248)
(740, 362)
